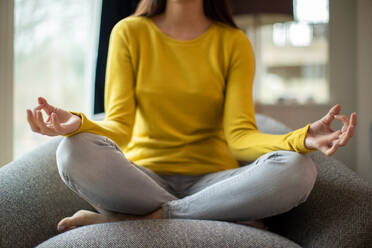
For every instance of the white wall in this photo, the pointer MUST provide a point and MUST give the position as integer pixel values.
(6, 81)
(364, 87)
(342, 57)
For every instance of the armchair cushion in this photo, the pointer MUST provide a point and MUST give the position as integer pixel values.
(168, 234)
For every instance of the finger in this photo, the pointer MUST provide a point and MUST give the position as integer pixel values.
(333, 136)
(350, 131)
(328, 140)
(353, 121)
(325, 143)
(39, 120)
(34, 113)
(44, 129)
(56, 124)
(333, 149)
(335, 109)
(323, 149)
(328, 118)
(49, 119)
(46, 106)
(41, 100)
(36, 109)
(32, 122)
(344, 120)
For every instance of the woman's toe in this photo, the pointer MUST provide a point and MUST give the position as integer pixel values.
(80, 218)
(66, 224)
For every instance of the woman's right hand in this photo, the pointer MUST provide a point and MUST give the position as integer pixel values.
(59, 121)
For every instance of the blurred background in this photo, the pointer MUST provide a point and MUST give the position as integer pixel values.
(310, 55)
(55, 45)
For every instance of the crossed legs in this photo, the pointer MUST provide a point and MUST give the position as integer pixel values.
(94, 167)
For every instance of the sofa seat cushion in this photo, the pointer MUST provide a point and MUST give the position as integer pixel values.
(167, 233)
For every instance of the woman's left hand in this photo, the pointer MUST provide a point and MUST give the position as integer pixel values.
(320, 135)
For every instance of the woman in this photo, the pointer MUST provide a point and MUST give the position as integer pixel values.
(179, 117)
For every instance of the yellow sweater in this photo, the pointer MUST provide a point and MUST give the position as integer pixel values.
(183, 107)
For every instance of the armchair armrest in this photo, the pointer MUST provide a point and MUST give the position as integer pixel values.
(338, 212)
(33, 198)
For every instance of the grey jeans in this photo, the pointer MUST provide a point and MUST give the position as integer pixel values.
(94, 167)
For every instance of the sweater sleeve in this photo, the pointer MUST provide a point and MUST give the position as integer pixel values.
(242, 135)
(119, 102)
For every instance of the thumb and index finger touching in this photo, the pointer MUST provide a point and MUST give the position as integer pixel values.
(32, 113)
(334, 113)
(51, 111)
(348, 125)
(43, 104)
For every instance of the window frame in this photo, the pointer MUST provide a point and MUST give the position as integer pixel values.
(6, 80)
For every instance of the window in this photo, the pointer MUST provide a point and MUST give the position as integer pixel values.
(292, 57)
(55, 49)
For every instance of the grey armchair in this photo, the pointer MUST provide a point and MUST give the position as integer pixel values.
(33, 199)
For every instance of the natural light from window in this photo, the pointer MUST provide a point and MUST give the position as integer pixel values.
(292, 56)
(55, 51)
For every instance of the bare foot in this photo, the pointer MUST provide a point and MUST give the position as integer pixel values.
(86, 217)
(255, 223)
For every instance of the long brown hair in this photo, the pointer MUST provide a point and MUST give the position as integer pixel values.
(216, 10)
